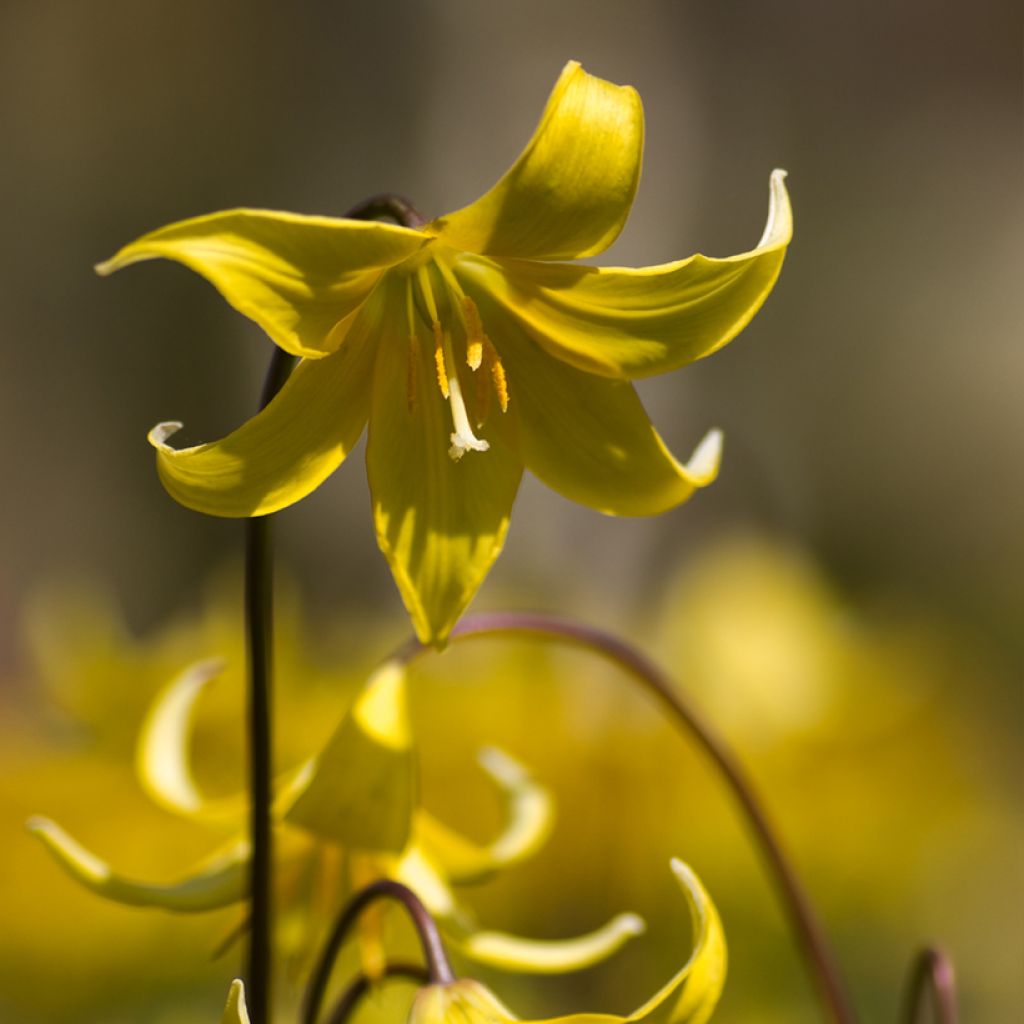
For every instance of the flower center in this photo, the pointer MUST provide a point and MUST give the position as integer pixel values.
(435, 300)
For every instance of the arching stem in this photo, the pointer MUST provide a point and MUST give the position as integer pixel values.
(438, 969)
(932, 972)
(810, 936)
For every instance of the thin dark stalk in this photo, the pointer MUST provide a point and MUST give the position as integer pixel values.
(353, 995)
(438, 969)
(817, 953)
(259, 629)
(932, 972)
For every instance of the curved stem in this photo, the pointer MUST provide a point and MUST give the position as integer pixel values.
(932, 971)
(439, 970)
(387, 204)
(811, 937)
(351, 997)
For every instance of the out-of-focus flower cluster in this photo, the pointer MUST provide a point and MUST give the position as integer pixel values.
(873, 739)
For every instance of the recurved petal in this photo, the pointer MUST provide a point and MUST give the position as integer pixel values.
(296, 276)
(359, 790)
(635, 323)
(548, 956)
(588, 437)
(691, 996)
(162, 754)
(440, 523)
(219, 881)
(287, 450)
(530, 816)
(688, 998)
(569, 192)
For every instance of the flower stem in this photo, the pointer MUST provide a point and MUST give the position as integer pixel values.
(817, 953)
(438, 969)
(932, 970)
(259, 628)
(387, 204)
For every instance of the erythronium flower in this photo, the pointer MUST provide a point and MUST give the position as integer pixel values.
(470, 350)
(351, 810)
(689, 997)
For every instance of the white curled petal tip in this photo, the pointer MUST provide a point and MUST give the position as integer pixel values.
(779, 228)
(502, 767)
(158, 436)
(703, 463)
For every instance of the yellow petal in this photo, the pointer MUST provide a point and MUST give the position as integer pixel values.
(359, 791)
(530, 816)
(220, 880)
(161, 758)
(548, 956)
(588, 437)
(635, 323)
(440, 523)
(569, 192)
(236, 1011)
(288, 449)
(296, 276)
(689, 997)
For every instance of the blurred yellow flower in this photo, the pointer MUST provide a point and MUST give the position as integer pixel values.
(354, 805)
(689, 997)
(464, 335)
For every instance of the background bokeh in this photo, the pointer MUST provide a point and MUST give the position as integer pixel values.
(871, 411)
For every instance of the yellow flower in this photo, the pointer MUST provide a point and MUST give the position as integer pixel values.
(469, 350)
(350, 812)
(689, 997)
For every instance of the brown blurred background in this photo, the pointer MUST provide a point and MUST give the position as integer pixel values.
(872, 411)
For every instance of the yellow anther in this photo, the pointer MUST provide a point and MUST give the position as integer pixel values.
(474, 333)
(442, 374)
(498, 377)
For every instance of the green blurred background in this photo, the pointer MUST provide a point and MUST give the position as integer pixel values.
(873, 426)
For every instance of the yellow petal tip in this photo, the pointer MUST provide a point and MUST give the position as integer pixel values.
(707, 456)
(629, 924)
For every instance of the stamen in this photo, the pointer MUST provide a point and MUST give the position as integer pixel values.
(483, 398)
(474, 333)
(442, 374)
(498, 377)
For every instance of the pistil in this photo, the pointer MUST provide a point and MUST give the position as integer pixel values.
(462, 438)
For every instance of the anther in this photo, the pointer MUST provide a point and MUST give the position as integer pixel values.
(474, 333)
(498, 377)
(442, 374)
